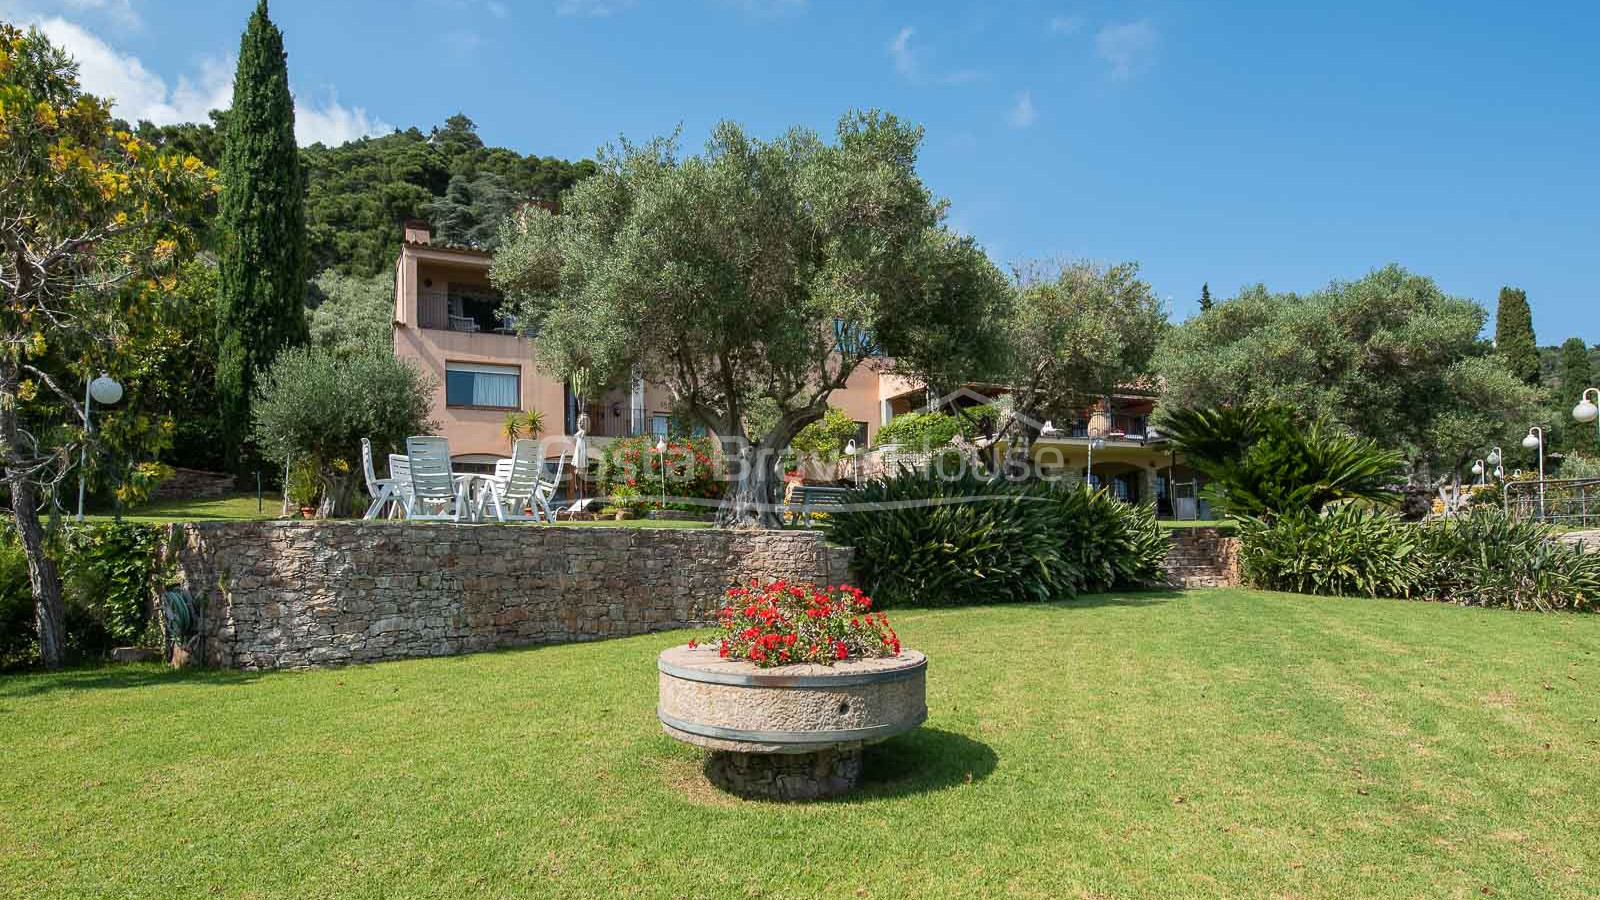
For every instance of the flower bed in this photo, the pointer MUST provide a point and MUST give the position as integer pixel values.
(779, 624)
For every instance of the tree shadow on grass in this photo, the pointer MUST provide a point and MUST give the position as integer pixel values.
(1121, 598)
(116, 677)
(922, 761)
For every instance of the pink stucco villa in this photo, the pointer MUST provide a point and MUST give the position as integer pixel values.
(446, 322)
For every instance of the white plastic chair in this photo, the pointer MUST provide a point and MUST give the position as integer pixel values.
(547, 487)
(436, 493)
(383, 490)
(512, 488)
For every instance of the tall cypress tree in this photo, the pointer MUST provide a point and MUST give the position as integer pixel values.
(1513, 335)
(1205, 297)
(262, 221)
(1575, 370)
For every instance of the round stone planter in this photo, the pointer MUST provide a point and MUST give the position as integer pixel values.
(792, 732)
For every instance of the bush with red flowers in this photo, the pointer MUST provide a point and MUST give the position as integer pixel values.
(779, 624)
(693, 467)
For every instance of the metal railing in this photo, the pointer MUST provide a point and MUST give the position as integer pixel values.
(1573, 501)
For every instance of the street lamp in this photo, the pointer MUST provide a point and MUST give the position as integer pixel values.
(855, 470)
(1589, 410)
(1535, 441)
(108, 392)
(1478, 470)
(1497, 458)
(1088, 470)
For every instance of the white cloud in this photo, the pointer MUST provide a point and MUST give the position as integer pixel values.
(905, 61)
(1022, 113)
(1066, 24)
(334, 123)
(912, 63)
(1130, 48)
(137, 93)
(120, 12)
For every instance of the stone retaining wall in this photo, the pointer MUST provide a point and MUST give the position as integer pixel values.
(295, 594)
(194, 484)
(1202, 557)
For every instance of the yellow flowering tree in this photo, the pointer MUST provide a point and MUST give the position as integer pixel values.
(91, 233)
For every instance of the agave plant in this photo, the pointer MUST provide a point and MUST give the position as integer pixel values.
(1262, 461)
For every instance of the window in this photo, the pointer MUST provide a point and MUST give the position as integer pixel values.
(659, 423)
(496, 387)
(860, 437)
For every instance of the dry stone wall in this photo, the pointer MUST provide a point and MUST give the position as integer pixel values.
(297, 594)
(1202, 557)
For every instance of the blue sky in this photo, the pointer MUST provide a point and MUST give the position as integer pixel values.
(1221, 142)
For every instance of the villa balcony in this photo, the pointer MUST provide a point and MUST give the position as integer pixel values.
(470, 313)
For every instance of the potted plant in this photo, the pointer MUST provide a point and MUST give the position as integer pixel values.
(303, 487)
(626, 502)
(183, 615)
(512, 427)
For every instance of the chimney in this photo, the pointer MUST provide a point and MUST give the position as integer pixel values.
(418, 231)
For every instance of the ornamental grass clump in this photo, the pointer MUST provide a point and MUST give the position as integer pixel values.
(779, 624)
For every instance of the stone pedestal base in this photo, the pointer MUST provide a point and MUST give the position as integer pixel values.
(786, 776)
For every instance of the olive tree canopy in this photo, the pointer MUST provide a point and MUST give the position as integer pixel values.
(752, 279)
(1389, 356)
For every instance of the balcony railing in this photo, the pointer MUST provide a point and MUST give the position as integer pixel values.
(436, 309)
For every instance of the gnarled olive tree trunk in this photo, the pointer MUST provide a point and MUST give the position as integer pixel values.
(42, 577)
(752, 502)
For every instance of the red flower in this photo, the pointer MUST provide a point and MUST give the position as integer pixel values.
(693, 643)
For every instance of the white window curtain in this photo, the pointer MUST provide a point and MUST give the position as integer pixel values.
(494, 390)
(476, 385)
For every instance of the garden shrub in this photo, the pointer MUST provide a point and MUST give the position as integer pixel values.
(1487, 558)
(693, 467)
(923, 540)
(924, 429)
(1479, 558)
(1350, 550)
(19, 639)
(109, 575)
(1112, 545)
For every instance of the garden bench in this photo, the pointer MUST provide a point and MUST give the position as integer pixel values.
(805, 499)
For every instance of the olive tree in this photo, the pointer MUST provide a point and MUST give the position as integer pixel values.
(1074, 334)
(751, 280)
(316, 404)
(1389, 356)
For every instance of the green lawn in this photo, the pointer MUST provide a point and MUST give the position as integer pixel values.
(235, 506)
(1225, 524)
(1207, 744)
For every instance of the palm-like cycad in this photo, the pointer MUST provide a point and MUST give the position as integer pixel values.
(1262, 461)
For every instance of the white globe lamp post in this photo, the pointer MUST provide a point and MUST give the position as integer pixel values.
(105, 390)
(1535, 441)
(1588, 410)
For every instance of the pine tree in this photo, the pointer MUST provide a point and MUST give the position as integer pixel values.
(1575, 370)
(1205, 297)
(262, 221)
(1513, 335)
